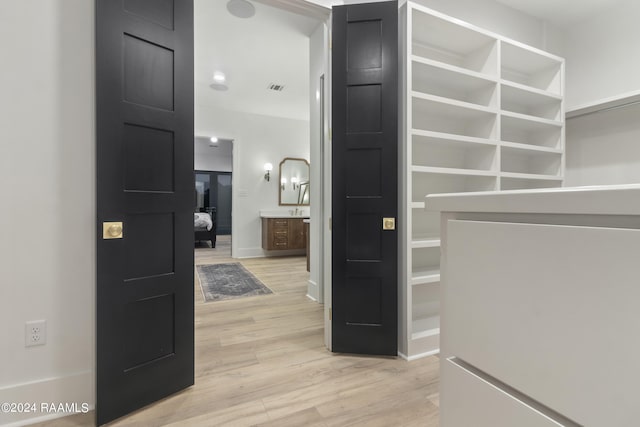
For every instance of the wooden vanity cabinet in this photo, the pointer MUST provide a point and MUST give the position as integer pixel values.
(283, 234)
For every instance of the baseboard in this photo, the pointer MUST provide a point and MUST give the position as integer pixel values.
(250, 253)
(420, 355)
(75, 393)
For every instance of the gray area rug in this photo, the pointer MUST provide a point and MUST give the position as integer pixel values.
(227, 281)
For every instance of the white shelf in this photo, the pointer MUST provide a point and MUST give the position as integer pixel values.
(523, 183)
(453, 137)
(539, 104)
(429, 78)
(434, 183)
(425, 241)
(518, 128)
(530, 176)
(454, 69)
(530, 162)
(531, 122)
(424, 223)
(532, 90)
(453, 154)
(453, 107)
(531, 67)
(425, 327)
(452, 171)
(452, 117)
(425, 276)
(442, 39)
(530, 148)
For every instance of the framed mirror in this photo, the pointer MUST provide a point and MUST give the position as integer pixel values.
(294, 182)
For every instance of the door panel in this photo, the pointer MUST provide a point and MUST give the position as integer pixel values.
(364, 178)
(148, 73)
(149, 158)
(144, 79)
(224, 203)
(158, 11)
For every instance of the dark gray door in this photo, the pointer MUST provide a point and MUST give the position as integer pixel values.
(144, 79)
(365, 171)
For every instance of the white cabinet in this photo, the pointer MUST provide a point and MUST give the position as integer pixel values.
(477, 402)
(479, 112)
(539, 306)
(547, 327)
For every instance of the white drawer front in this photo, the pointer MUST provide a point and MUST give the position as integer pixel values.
(553, 311)
(467, 400)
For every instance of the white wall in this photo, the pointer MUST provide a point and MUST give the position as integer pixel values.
(601, 62)
(47, 156)
(602, 55)
(603, 148)
(206, 158)
(257, 140)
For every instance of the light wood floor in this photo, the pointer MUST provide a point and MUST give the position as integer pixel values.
(261, 361)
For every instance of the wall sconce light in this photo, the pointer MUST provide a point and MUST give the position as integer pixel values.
(294, 182)
(268, 167)
(283, 183)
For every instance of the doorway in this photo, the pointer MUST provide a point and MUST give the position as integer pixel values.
(213, 195)
(253, 83)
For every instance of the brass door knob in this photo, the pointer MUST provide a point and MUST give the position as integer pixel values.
(112, 230)
(115, 231)
(388, 223)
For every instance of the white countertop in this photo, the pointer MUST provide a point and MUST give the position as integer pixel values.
(593, 200)
(284, 214)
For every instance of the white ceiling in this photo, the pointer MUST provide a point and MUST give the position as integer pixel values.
(560, 12)
(270, 47)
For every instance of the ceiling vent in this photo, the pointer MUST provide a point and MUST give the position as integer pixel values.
(275, 87)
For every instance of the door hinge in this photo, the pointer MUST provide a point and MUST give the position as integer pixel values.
(330, 313)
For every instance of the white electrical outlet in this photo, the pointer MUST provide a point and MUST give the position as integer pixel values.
(35, 333)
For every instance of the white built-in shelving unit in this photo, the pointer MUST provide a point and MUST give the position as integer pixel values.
(479, 112)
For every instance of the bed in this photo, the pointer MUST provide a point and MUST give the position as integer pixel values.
(204, 226)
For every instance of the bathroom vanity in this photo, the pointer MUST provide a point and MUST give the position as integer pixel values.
(540, 307)
(283, 231)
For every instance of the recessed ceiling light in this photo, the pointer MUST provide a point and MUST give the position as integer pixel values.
(219, 77)
(241, 8)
